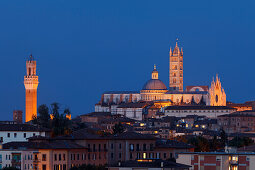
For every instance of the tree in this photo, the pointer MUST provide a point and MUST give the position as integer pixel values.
(200, 143)
(44, 116)
(240, 141)
(223, 137)
(118, 129)
(59, 124)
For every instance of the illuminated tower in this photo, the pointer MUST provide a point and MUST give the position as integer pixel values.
(31, 84)
(176, 69)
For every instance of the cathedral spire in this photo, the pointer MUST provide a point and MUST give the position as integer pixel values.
(176, 48)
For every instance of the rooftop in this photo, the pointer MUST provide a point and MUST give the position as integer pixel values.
(199, 107)
(152, 164)
(22, 127)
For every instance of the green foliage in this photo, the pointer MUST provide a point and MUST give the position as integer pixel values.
(59, 124)
(240, 142)
(118, 129)
(223, 137)
(200, 143)
(88, 167)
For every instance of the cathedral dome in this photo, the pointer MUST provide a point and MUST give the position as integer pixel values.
(154, 84)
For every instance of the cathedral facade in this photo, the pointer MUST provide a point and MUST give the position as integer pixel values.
(154, 90)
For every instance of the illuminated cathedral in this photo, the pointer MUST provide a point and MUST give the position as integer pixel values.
(154, 90)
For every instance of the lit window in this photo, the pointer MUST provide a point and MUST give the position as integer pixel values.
(144, 155)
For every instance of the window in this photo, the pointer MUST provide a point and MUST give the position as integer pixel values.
(105, 147)
(171, 155)
(99, 147)
(112, 146)
(144, 155)
(137, 147)
(119, 155)
(138, 156)
(59, 157)
(144, 147)
(151, 155)
(112, 155)
(202, 158)
(120, 146)
(44, 157)
(8, 135)
(25, 135)
(151, 146)
(55, 156)
(78, 156)
(94, 147)
(43, 167)
(131, 147)
(131, 156)
(165, 155)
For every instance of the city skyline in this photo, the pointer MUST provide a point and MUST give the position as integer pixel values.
(75, 69)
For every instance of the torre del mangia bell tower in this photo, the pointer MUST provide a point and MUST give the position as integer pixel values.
(31, 84)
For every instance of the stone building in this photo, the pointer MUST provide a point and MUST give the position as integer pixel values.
(238, 122)
(154, 90)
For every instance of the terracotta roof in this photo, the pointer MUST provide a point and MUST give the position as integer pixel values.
(122, 92)
(161, 143)
(199, 108)
(63, 144)
(21, 127)
(156, 163)
(238, 114)
(133, 105)
(97, 114)
(132, 136)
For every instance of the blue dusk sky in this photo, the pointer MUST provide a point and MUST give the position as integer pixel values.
(84, 48)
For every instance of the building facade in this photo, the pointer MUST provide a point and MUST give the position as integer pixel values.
(218, 160)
